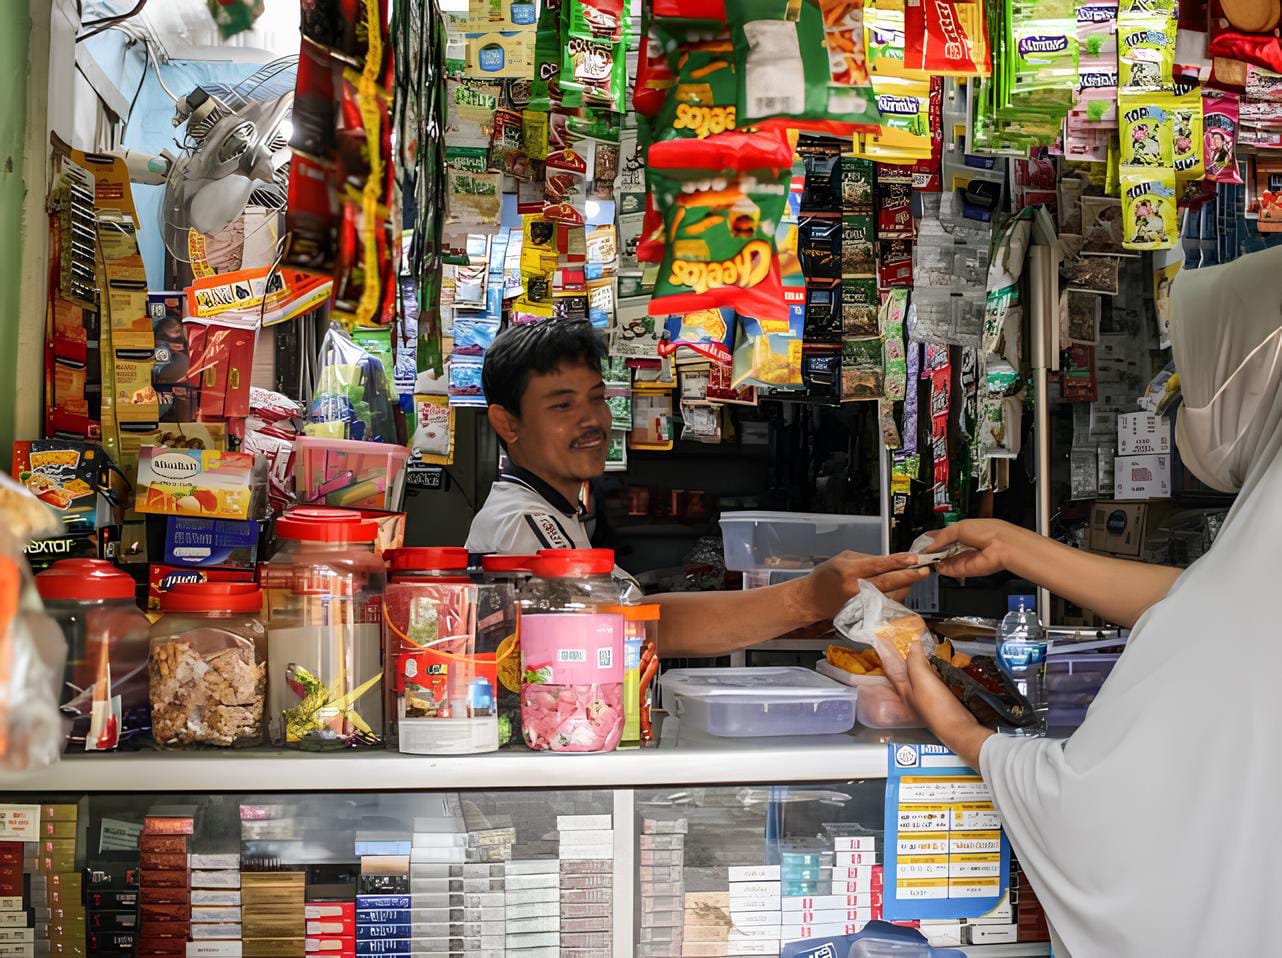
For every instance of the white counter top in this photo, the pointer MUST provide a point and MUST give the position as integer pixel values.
(704, 761)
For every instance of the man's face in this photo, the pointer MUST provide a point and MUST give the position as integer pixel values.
(564, 427)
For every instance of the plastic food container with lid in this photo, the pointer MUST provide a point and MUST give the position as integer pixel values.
(209, 666)
(572, 643)
(324, 599)
(780, 541)
(441, 638)
(104, 690)
(879, 704)
(738, 702)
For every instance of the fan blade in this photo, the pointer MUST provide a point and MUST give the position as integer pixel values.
(220, 201)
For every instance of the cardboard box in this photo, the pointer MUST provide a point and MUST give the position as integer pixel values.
(194, 482)
(1141, 477)
(1144, 434)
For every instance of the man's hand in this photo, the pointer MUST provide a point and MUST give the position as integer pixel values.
(952, 724)
(832, 583)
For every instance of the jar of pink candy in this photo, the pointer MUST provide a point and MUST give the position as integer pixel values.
(572, 652)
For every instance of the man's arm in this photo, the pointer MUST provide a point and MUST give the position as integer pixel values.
(697, 624)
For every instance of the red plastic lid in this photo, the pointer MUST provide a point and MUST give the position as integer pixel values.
(212, 597)
(317, 524)
(85, 580)
(554, 563)
(423, 558)
(497, 563)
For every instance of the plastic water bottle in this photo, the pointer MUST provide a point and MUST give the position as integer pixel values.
(1021, 653)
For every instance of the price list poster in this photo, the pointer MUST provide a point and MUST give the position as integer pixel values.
(946, 855)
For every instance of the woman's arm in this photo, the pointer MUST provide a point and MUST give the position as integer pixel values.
(1119, 590)
(696, 624)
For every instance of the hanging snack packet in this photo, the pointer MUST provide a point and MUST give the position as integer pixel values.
(1148, 200)
(708, 333)
(655, 76)
(595, 69)
(720, 246)
(1145, 53)
(1186, 137)
(1220, 125)
(1147, 130)
(905, 133)
(1045, 50)
(802, 64)
(705, 99)
(946, 38)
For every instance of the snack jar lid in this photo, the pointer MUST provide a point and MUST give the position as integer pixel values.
(498, 563)
(85, 580)
(212, 597)
(424, 558)
(554, 563)
(318, 524)
(637, 613)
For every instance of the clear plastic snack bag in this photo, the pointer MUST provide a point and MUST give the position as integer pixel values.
(872, 619)
(32, 648)
(352, 399)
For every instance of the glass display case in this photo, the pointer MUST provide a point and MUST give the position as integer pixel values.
(706, 848)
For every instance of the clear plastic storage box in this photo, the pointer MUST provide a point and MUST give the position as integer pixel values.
(747, 702)
(774, 541)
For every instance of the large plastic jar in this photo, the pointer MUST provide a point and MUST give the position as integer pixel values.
(324, 591)
(440, 660)
(104, 692)
(512, 571)
(637, 621)
(209, 666)
(572, 653)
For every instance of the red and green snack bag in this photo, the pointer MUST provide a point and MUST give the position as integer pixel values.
(701, 12)
(655, 74)
(733, 150)
(720, 244)
(545, 90)
(801, 63)
(594, 63)
(704, 100)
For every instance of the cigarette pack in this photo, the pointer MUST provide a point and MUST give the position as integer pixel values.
(367, 903)
(656, 856)
(585, 924)
(435, 870)
(223, 862)
(385, 946)
(479, 870)
(587, 882)
(540, 939)
(214, 949)
(853, 859)
(329, 909)
(525, 882)
(528, 868)
(587, 852)
(586, 896)
(383, 885)
(704, 932)
(661, 826)
(58, 829)
(214, 897)
(663, 842)
(486, 900)
(754, 873)
(223, 879)
(215, 913)
(598, 910)
(117, 920)
(663, 919)
(164, 861)
(570, 823)
(438, 855)
(855, 843)
(450, 886)
(525, 896)
(434, 840)
(660, 873)
(17, 935)
(168, 824)
(518, 926)
(587, 836)
(756, 919)
(792, 932)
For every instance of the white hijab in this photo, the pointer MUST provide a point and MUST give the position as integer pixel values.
(1154, 830)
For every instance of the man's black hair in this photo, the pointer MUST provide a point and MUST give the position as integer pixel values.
(523, 350)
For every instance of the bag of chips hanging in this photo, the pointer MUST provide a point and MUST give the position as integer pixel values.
(946, 38)
(720, 244)
(1148, 202)
(1187, 136)
(1147, 130)
(1145, 53)
(802, 64)
(1219, 126)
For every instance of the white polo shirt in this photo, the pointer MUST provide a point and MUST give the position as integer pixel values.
(523, 514)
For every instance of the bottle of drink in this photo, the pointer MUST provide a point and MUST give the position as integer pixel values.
(1021, 653)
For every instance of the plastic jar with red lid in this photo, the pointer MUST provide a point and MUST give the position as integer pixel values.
(572, 644)
(104, 691)
(441, 563)
(324, 599)
(208, 671)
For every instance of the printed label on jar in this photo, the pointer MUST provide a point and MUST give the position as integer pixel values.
(572, 649)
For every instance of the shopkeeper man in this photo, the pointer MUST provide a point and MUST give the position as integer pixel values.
(547, 404)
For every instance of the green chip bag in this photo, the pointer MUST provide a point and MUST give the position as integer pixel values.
(802, 64)
(720, 248)
(704, 100)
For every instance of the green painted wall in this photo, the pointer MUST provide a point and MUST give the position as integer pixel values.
(15, 40)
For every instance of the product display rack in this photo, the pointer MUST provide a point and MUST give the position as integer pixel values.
(702, 773)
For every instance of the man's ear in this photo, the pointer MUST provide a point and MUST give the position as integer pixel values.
(504, 424)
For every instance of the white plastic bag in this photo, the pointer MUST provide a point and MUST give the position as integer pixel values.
(872, 619)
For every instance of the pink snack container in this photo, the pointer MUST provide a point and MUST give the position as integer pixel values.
(572, 653)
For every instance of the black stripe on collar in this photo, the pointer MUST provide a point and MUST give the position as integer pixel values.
(524, 477)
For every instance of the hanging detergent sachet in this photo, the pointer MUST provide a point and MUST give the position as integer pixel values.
(802, 64)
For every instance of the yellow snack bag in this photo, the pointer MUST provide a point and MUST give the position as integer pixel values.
(1149, 218)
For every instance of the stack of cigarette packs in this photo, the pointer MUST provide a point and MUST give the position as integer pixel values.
(331, 929)
(58, 906)
(164, 910)
(17, 935)
(662, 886)
(383, 915)
(112, 898)
(531, 895)
(217, 928)
(587, 885)
(273, 909)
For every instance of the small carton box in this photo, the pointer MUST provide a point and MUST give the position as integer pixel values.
(1141, 477)
(1143, 434)
(194, 482)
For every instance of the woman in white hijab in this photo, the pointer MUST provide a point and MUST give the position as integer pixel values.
(1154, 829)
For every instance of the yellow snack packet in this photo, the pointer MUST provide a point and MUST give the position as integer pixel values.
(1149, 218)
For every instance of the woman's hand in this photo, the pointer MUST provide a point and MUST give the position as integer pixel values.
(952, 724)
(991, 540)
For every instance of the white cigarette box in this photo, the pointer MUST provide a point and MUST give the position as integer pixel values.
(571, 823)
(754, 873)
(992, 934)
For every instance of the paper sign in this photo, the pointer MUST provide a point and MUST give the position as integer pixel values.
(19, 823)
